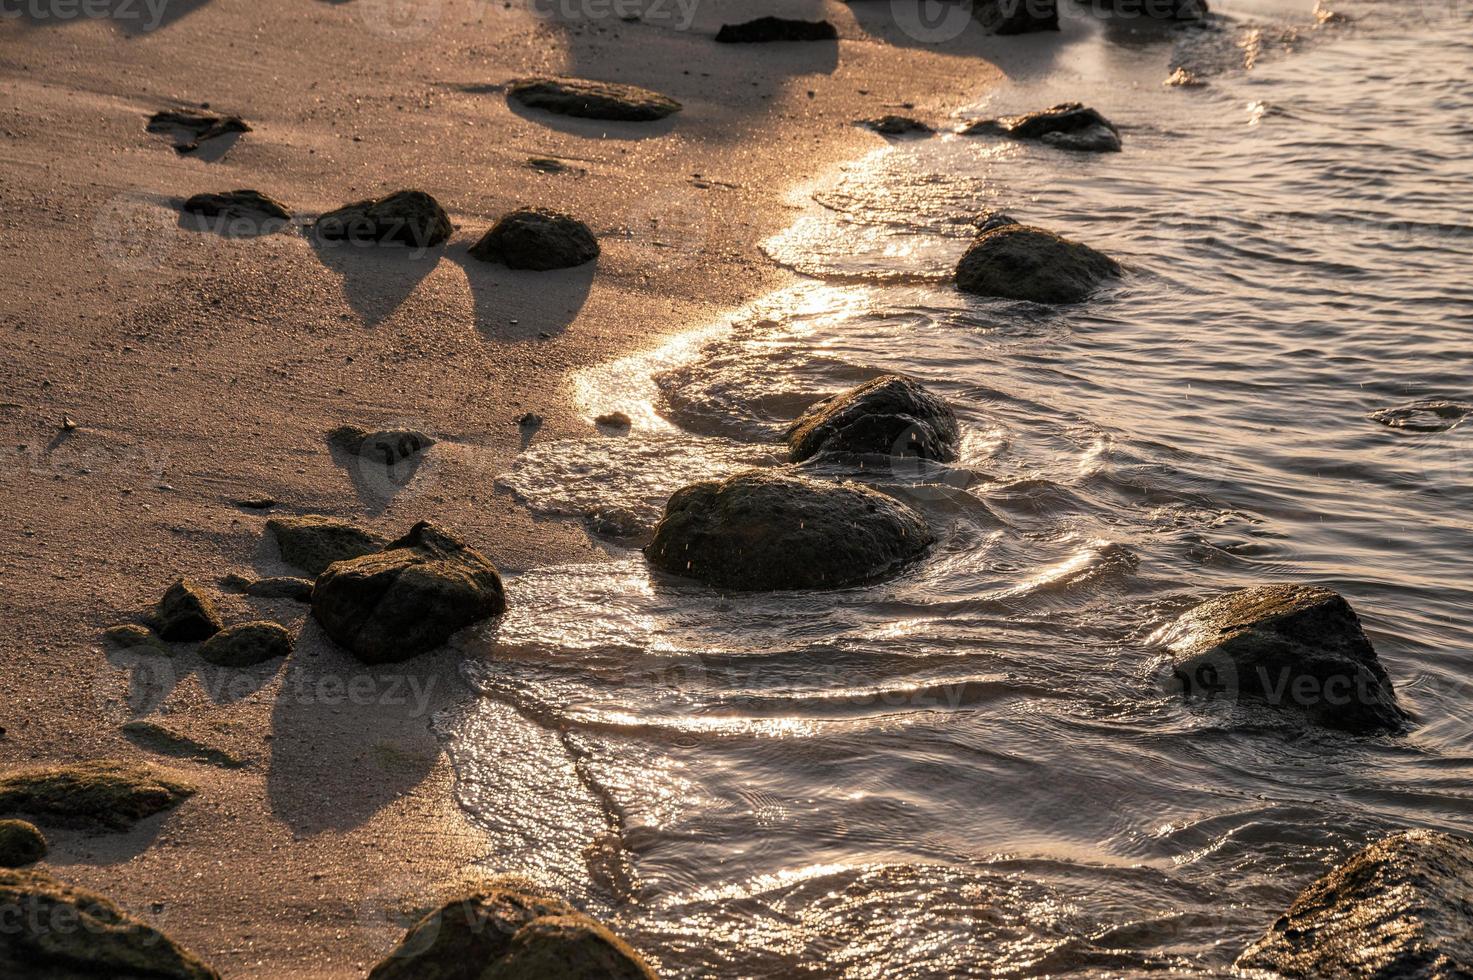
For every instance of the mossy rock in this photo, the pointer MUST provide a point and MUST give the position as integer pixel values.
(274, 587)
(247, 645)
(312, 543)
(890, 416)
(57, 931)
(108, 795)
(137, 639)
(571, 947)
(186, 614)
(21, 843)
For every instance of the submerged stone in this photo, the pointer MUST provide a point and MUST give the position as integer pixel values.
(238, 205)
(312, 543)
(1022, 262)
(409, 598)
(768, 29)
(191, 127)
(1016, 16)
(247, 645)
(1398, 909)
(763, 531)
(137, 639)
(1294, 647)
(186, 614)
(21, 843)
(592, 100)
(110, 795)
(1068, 125)
(406, 218)
(539, 239)
(891, 416)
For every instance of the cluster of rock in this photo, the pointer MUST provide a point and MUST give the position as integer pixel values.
(186, 614)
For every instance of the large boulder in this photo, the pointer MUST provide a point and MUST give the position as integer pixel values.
(312, 543)
(55, 931)
(592, 100)
(1068, 125)
(20, 844)
(510, 934)
(1016, 261)
(759, 530)
(186, 614)
(107, 795)
(1016, 16)
(409, 598)
(247, 645)
(891, 415)
(539, 239)
(764, 30)
(406, 218)
(1295, 647)
(1398, 910)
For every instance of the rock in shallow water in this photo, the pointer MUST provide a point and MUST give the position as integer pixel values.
(1295, 647)
(247, 644)
(109, 795)
(1022, 262)
(1068, 125)
(592, 100)
(312, 543)
(186, 614)
(21, 843)
(891, 415)
(406, 218)
(762, 531)
(1399, 909)
(768, 29)
(539, 239)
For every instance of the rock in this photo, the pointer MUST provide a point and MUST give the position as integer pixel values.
(614, 420)
(1398, 909)
(20, 844)
(510, 934)
(409, 598)
(1016, 16)
(1292, 646)
(255, 503)
(138, 639)
(1023, 262)
(388, 446)
(68, 424)
(276, 587)
(191, 127)
(247, 645)
(592, 100)
(312, 543)
(1068, 125)
(110, 795)
(765, 29)
(763, 531)
(186, 614)
(165, 741)
(55, 931)
(238, 205)
(891, 415)
(1184, 77)
(529, 420)
(535, 238)
(1150, 9)
(407, 218)
(898, 126)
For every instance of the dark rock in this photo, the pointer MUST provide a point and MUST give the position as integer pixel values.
(510, 934)
(1068, 125)
(409, 598)
(765, 29)
(277, 587)
(238, 205)
(1150, 9)
(1292, 646)
(138, 639)
(312, 543)
(614, 420)
(55, 931)
(255, 503)
(890, 415)
(110, 795)
(20, 844)
(1398, 910)
(186, 614)
(898, 126)
(535, 238)
(592, 100)
(1022, 262)
(407, 218)
(247, 645)
(165, 741)
(1016, 16)
(191, 127)
(762, 531)
(388, 446)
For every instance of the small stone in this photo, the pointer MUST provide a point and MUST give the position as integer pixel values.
(530, 420)
(312, 543)
(189, 127)
(592, 100)
(274, 587)
(256, 503)
(247, 645)
(1068, 125)
(138, 639)
(68, 424)
(21, 843)
(539, 239)
(614, 420)
(407, 218)
(186, 614)
(768, 29)
(387, 446)
(898, 126)
(238, 205)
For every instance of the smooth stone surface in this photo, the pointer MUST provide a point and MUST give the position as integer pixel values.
(21, 843)
(592, 100)
(186, 614)
(312, 543)
(388, 446)
(191, 127)
(759, 530)
(891, 415)
(1068, 125)
(406, 218)
(106, 794)
(1016, 16)
(237, 205)
(247, 644)
(538, 239)
(767, 29)
(1014, 261)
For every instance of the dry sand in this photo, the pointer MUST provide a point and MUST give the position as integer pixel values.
(201, 369)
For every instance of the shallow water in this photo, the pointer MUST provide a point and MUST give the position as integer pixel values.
(971, 770)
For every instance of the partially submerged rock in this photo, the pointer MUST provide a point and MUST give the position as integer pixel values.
(186, 614)
(312, 543)
(1068, 125)
(510, 934)
(190, 127)
(21, 843)
(275, 587)
(592, 100)
(55, 931)
(157, 738)
(1016, 16)
(766, 29)
(137, 639)
(406, 218)
(388, 446)
(110, 795)
(760, 531)
(892, 125)
(409, 598)
(891, 415)
(1398, 909)
(242, 205)
(247, 645)
(536, 238)
(1016, 261)
(1296, 647)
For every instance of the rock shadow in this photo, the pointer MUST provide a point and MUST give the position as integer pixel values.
(523, 304)
(377, 277)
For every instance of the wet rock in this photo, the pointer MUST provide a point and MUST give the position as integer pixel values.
(1295, 647)
(388, 446)
(1016, 16)
(137, 639)
(1398, 909)
(276, 587)
(406, 218)
(109, 795)
(20, 844)
(761, 531)
(614, 420)
(1068, 125)
(765, 29)
(186, 614)
(616, 522)
(1184, 77)
(165, 741)
(188, 128)
(409, 598)
(1150, 9)
(592, 100)
(891, 415)
(1023, 262)
(56, 931)
(510, 934)
(312, 543)
(243, 205)
(536, 238)
(898, 126)
(247, 645)
(1427, 415)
